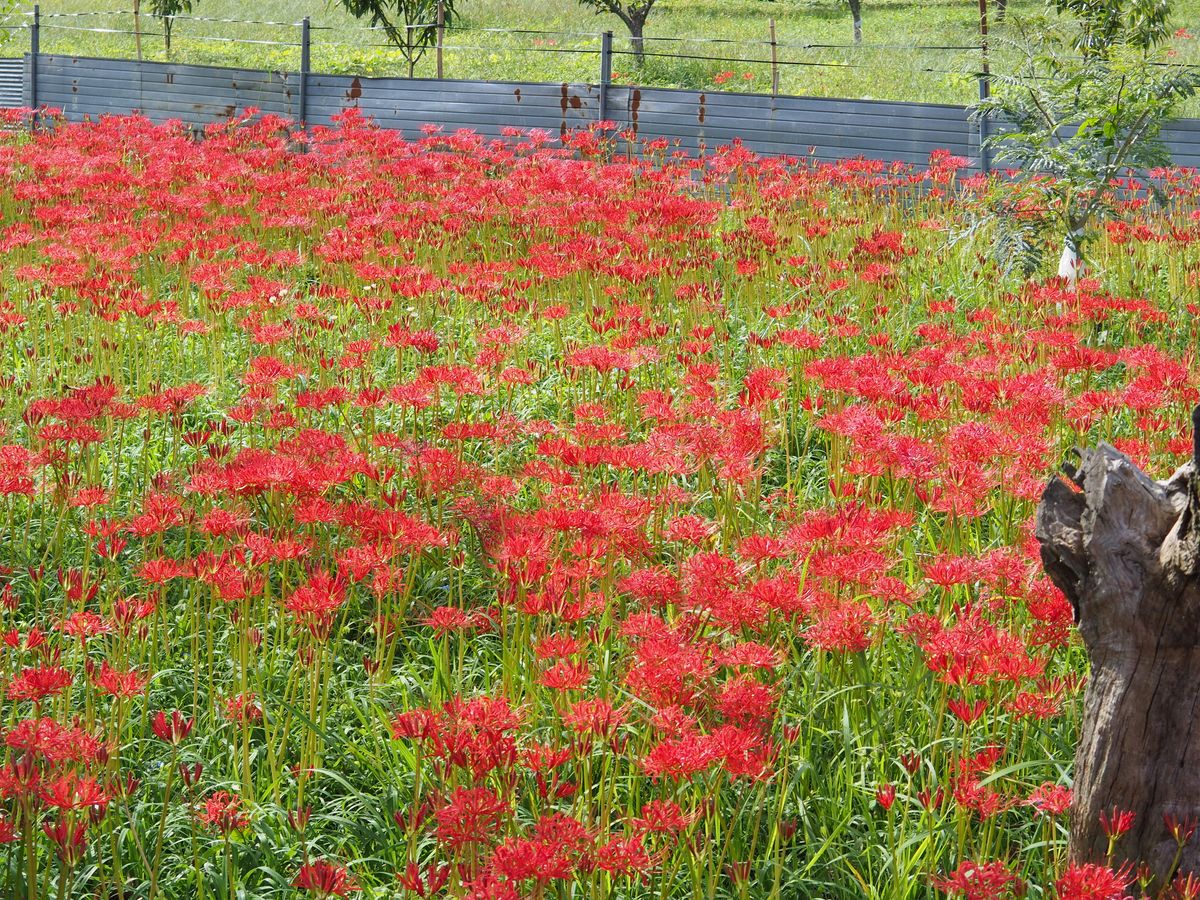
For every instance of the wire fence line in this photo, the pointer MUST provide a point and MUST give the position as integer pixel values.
(692, 61)
(960, 71)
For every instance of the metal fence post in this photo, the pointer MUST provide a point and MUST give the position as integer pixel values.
(985, 162)
(35, 48)
(305, 67)
(985, 87)
(605, 73)
(774, 62)
(441, 35)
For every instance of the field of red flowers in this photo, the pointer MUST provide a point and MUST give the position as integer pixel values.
(455, 518)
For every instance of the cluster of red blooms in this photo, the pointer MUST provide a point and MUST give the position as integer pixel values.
(663, 508)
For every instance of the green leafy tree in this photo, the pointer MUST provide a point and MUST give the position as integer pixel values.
(411, 25)
(166, 11)
(634, 14)
(1085, 102)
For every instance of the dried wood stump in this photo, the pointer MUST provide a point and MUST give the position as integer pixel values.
(1125, 550)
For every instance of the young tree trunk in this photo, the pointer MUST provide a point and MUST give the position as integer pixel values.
(1070, 264)
(856, 14)
(1125, 550)
(637, 41)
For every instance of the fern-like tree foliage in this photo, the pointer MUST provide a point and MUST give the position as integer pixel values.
(411, 25)
(1084, 103)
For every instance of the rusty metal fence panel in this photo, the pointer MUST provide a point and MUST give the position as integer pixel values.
(486, 107)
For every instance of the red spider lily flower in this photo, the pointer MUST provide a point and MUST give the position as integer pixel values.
(470, 816)
(315, 603)
(298, 818)
(243, 708)
(1089, 881)
(69, 839)
(596, 718)
(969, 713)
(84, 625)
(1116, 822)
(427, 883)
(8, 831)
(173, 730)
(119, 683)
(1050, 799)
(1181, 830)
(70, 792)
(222, 812)
(911, 762)
(1185, 886)
(324, 879)
(520, 859)
(624, 856)
(37, 684)
(981, 881)
(191, 774)
(886, 796)
(663, 817)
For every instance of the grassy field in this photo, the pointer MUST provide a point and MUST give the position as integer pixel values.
(726, 40)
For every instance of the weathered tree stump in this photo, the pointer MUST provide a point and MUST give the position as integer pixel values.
(1125, 550)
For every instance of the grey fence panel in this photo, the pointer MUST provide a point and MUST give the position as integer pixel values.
(694, 121)
(1182, 138)
(798, 126)
(82, 87)
(12, 83)
(486, 107)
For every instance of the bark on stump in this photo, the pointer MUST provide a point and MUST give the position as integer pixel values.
(1125, 549)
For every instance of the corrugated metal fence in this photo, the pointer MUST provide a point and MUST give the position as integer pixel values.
(824, 129)
(694, 121)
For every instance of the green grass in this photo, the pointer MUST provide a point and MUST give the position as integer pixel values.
(693, 28)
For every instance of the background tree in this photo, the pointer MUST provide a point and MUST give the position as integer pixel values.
(1084, 102)
(411, 25)
(856, 15)
(166, 11)
(634, 14)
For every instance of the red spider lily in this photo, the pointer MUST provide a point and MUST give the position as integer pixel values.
(426, 883)
(69, 839)
(885, 795)
(119, 683)
(1184, 886)
(1181, 830)
(315, 604)
(222, 812)
(470, 816)
(173, 730)
(1050, 799)
(324, 879)
(1116, 822)
(981, 881)
(70, 792)
(38, 683)
(1089, 881)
